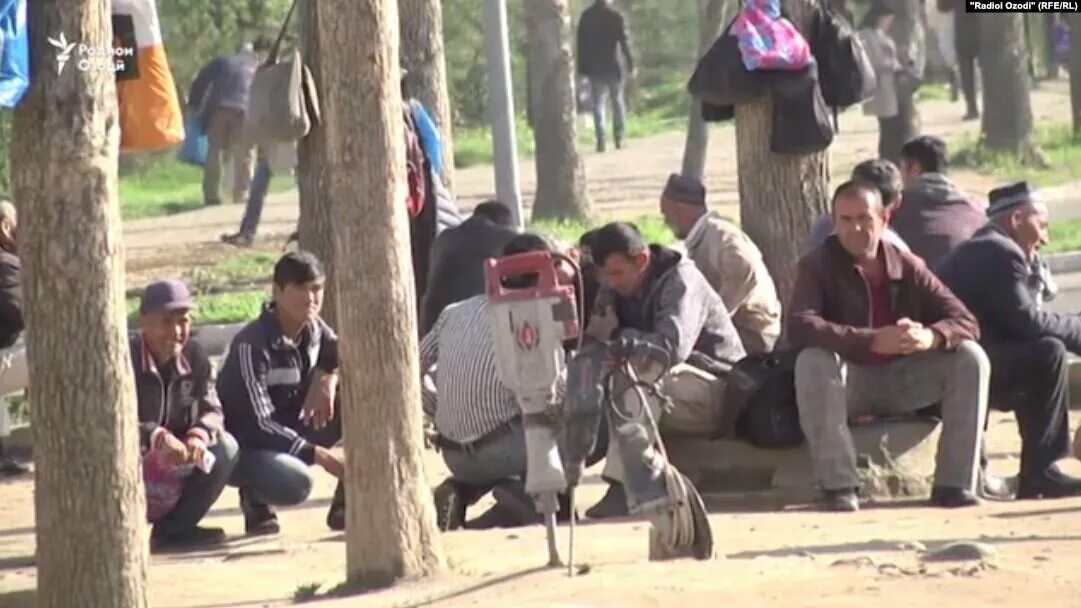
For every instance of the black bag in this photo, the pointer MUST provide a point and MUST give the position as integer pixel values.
(721, 79)
(801, 120)
(845, 73)
(760, 401)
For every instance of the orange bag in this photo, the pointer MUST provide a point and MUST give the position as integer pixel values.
(150, 115)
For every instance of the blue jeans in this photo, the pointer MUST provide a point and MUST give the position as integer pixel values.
(201, 489)
(276, 478)
(253, 211)
(602, 88)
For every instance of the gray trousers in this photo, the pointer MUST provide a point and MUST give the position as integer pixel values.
(829, 391)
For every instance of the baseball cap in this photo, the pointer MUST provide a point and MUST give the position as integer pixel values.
(166, 296)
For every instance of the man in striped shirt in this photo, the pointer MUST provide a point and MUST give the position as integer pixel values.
(477, 417)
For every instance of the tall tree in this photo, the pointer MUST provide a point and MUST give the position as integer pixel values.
(561, 181)
(423, 56)
(390, 531)
(780, 195)
(89, 503)
(909, 36)
(711, 16)
(1007, 113)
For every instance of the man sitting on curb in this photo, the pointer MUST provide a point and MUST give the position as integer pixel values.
(910, 346)
(993, 274)
(180, 418)
(278, 387)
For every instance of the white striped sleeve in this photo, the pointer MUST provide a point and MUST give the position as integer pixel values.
(273, 435)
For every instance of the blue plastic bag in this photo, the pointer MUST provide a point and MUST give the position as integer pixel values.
(193, 148)
(14, 52)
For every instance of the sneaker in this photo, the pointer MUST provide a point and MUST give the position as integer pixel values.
(259, 519)
(449, 506)
(237, 240)
(336, 513)
(953, 498)
(843, 500)
(195, 538)
(613, 504)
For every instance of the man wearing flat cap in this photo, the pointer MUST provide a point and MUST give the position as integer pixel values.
(730, 261)
(993, 274)
(180, 419)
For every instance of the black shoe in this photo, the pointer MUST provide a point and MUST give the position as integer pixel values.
(238, 240)
(510, 495)
(601, 147)
(10, 468)
(336, 513)
(953, 498)
(1053, 483)
(844, 500)
(499, 516)
(259, 519)
(971, 115)
(613, 504)
(195, 538)
(449, 505)
(619, 144)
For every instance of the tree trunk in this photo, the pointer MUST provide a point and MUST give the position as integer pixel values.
(909, 36)
(710, 19)
(1007, 114)
(391, 530)
(423, 56)
(1075, 72)
(561, 182)
(314, 224)
(89, 503)
(781, 196)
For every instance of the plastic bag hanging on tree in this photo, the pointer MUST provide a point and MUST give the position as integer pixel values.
(768, 41)
(14, 53)
(150, 116)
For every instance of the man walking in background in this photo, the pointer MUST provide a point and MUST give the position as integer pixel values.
(602, 35)
(220, 95)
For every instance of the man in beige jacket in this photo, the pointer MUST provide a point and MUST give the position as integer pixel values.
(730, 261)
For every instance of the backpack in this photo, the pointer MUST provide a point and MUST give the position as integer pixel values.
(801, 120)
(845, 73)
(760, 401)
(415, 166)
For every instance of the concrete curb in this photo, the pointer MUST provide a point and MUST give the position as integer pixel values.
(1069, 261)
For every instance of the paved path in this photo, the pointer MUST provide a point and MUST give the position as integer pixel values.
(623, 183)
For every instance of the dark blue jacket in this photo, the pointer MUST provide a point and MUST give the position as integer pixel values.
(225, 82)
(265, 379)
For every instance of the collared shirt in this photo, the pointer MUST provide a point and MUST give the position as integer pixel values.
(471, 400)
(178, 396)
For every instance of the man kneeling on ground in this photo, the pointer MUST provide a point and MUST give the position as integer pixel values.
(278, 387)
(881, 335)
(180, 419)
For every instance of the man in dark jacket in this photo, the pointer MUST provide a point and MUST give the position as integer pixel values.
(656, 295)
(278, 388)
(1027, 346)
(180, 418)
(602, 33)
(879, 334)
(456, 270)
(13, 370)
(219, 94)
(935, 216)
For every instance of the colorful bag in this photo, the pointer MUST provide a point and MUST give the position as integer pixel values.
(14, 53)
(150, 116)
(194, 149)
(768, 41)
(164, 484)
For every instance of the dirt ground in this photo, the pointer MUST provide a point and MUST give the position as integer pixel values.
(771, 556)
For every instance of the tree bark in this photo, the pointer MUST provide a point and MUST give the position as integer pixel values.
(781, 196)
(1074, 20)
(423, 56)
(561, 182)
(909, 36)
(710, 19)
(391, 531)
(1007, 114)
(89, 502)
(316, 197)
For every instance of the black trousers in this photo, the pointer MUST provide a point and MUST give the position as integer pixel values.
(967, 45)
(1031, 379)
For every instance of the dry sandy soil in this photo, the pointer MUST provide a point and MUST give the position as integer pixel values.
(774, 556)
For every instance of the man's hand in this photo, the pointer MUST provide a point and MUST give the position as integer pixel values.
(196, 449)
(173, 449)
(917, 338)
(601, 326)
(888, 340)
(318, 408)
(330, 461)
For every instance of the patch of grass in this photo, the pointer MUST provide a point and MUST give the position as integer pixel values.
(244, 270)
(1065, 236)
(1057, 142)
(167, 187)
(213, 309)
(652, 227)
(306, 593)
(935, 91)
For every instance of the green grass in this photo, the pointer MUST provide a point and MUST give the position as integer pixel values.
(1065, 236)
(1057, 143)
(306, 593)
(933, 92)
(244, 270)
(166, 187)
(653, 229)
(219, 308)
